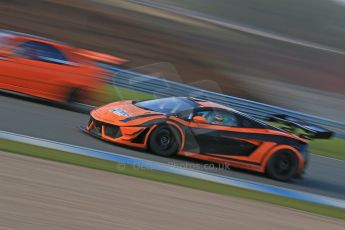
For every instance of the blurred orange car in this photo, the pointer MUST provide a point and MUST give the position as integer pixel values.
(50, 69)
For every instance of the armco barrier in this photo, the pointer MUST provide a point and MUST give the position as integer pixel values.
(141, 163)
(164, 88)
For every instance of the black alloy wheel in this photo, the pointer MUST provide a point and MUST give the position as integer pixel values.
(282, 165)
(165, 141)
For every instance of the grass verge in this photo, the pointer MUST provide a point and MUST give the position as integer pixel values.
(117, 93)
(112, 93)
(69, 158)
(334, 148)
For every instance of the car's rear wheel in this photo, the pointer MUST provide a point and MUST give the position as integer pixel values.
(165, 141)
(282, 165)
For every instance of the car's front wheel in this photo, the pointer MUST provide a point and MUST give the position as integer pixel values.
(282, 165)
(165, 141)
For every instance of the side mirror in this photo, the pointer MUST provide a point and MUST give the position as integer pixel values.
(199, 119)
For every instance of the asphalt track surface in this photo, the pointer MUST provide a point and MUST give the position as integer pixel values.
(31, 117)
(36, 194)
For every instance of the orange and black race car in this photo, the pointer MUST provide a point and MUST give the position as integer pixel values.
(207, 131)
(49, 69)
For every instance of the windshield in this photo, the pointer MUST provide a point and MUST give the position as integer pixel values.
(168, 105)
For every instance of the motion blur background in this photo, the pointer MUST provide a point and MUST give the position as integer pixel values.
(285, 53)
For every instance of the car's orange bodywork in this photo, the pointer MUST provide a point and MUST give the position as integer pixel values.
(134, 126)
(46, 77)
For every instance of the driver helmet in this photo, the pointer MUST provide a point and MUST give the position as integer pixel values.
(218, 118)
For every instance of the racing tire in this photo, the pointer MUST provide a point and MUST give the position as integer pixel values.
(74, 101)
(165, 141)
(282, 165)
(73, 97)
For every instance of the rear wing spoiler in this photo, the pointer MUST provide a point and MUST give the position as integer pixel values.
(101, 57)
(311, 131)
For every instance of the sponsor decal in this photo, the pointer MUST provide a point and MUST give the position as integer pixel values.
(120, 112)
